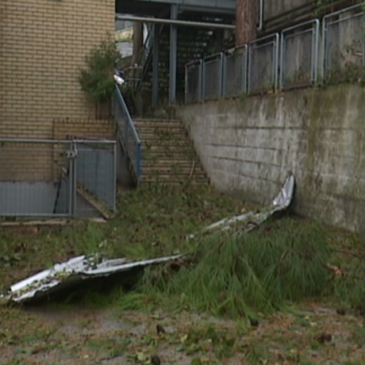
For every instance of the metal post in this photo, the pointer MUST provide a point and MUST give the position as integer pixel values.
(316, 50)
(114, 177)
(222, 75)
(276, 61)
(155, 68)
(282, 61)
(200, 80)
(173, 55)
(73, 178)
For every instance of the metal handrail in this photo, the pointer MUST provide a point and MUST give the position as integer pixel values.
(129, 127)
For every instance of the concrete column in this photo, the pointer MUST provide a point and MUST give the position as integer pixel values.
(155, 66)
(173, 55)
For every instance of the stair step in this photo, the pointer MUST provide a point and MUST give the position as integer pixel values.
(176, 178)
(183, 162)
(172, 170)
(153, 158)
(154, 138)
(162, 127)
(158, 123)
(171, 144)
(176, 183)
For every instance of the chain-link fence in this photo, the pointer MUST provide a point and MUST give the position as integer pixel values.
(343, 45)
(299, 55)
(235, 71)
(263, 64)
(193, 81)
(212, 77)
(56, 178)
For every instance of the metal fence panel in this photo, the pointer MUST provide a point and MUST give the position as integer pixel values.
(193, 81)
(343, 45)
(212, 77)
(263, 64)
(34, 178)
(299, 55)
(235, 72)
(38, 177)
(95, 171)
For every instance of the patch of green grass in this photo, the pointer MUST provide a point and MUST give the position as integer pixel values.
(236, 276)
(152, 221)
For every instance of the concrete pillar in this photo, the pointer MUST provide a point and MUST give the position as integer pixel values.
(173, 55)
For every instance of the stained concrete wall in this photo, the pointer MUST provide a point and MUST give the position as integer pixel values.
(248, 145)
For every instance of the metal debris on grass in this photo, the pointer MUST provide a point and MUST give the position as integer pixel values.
(81, 268)
(74, 271)
(253, 219)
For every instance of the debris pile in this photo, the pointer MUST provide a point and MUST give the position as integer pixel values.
(78, 269)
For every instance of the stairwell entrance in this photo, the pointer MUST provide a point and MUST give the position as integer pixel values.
(57, 178)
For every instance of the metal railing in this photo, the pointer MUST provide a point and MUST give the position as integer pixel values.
(235, 71)
(299, 55)
(263, 64)
(127, 135)
(343, 44)
(287, 60)
(212, 85)
(57, 178)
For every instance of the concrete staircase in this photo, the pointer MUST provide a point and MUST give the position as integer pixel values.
(168, 154)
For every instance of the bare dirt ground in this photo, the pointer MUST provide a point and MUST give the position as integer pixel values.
(79, 335)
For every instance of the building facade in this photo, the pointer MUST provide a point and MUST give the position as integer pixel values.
(43, 44)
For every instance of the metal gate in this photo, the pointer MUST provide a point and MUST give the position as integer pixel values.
(57, 178)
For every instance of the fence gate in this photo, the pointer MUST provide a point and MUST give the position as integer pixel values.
(57, 178)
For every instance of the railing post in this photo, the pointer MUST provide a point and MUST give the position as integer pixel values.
(73, 178)
(224, 75)
(203, 81)
(200, 91)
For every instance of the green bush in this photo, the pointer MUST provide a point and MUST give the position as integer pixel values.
(97, 80)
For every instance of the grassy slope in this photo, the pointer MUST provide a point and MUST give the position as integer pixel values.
(156, 222)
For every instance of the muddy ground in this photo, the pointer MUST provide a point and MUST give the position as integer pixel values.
(314, 334)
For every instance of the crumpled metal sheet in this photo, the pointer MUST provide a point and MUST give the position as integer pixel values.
(75, 270)
(252, 219)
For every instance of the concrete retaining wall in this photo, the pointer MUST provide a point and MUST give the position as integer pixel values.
(248, 145)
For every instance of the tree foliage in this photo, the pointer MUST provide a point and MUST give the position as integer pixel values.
(97, 78)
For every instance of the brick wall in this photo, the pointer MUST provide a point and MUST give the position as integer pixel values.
(83, 128)
(44, 162)
(43, 44)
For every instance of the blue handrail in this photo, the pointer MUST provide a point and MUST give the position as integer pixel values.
(126, 128)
